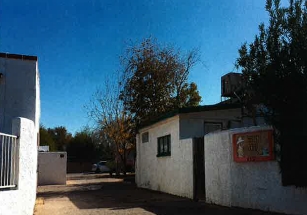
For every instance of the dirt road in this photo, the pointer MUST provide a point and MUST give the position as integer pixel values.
(93, 194)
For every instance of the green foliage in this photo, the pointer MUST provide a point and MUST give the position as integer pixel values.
(112, 165)
(46, 139)
(104, 150)
(86, 145)
(156, 80)
(81, 147)
(189, 96)
(274, 67)
(60, 136)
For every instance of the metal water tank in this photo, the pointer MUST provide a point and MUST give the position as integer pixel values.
(231, 83)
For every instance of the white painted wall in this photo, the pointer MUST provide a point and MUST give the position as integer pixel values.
(171, 174)
(22, 200)
(37, 100)
(192, 124)
(20, 97)
(19, 92)
(52, 168)
(254, 185)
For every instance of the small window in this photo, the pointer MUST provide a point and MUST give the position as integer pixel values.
(145, 137)
(212, 126)
(164, 146)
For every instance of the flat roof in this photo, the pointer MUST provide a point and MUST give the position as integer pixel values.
(18, 56)
(232, 73)
(203, 108)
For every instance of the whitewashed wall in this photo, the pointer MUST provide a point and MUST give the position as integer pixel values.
(19, 92)
(170, 174)
(22, 200)
(37, 99)
(52, 168)
(254, 185)
(192, 124)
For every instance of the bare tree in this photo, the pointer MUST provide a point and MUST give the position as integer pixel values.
(107, 111)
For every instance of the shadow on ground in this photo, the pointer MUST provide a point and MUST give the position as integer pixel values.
(124, 194)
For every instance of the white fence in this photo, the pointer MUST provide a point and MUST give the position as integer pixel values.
(9, 159)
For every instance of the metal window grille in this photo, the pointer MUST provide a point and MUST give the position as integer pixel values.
(9, 160)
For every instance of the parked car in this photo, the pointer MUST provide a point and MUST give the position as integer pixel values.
(101, 166)
(110, 167)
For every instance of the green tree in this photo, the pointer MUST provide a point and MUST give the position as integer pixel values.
(188, 96)
(103, 145)
(46, 139)
(155, 80)
(82, 147)
(274, 68)
(61, 137)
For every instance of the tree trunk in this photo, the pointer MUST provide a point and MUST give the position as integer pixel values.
(117, 167)
(123, 159)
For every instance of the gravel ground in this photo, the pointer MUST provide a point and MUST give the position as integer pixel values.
(93, 194)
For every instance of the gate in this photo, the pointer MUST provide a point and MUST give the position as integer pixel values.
(9, 161)
(199, 188)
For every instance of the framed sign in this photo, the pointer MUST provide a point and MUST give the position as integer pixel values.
(253, 146)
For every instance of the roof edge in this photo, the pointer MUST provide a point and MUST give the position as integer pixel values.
(195, 109)
(18, 56)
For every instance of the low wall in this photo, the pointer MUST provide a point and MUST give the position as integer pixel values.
(22, 200)
(254, 185)
(52, 168)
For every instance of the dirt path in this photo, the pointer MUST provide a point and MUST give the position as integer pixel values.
(94, 194)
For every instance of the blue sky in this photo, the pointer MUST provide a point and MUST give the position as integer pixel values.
(78, 42)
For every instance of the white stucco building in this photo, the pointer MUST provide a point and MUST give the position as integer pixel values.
(19, 90)
(164, 160)
(19, 122)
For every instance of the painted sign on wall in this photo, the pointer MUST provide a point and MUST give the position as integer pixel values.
(253, 146)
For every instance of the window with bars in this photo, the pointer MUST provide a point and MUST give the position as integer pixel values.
(164, 146)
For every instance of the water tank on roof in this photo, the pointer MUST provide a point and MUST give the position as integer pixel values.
(230, 84)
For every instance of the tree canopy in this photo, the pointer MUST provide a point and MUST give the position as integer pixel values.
(46, 139)
(155, 80)
(82, 147)
(85, 145)
(61, 137)
(274, 68)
